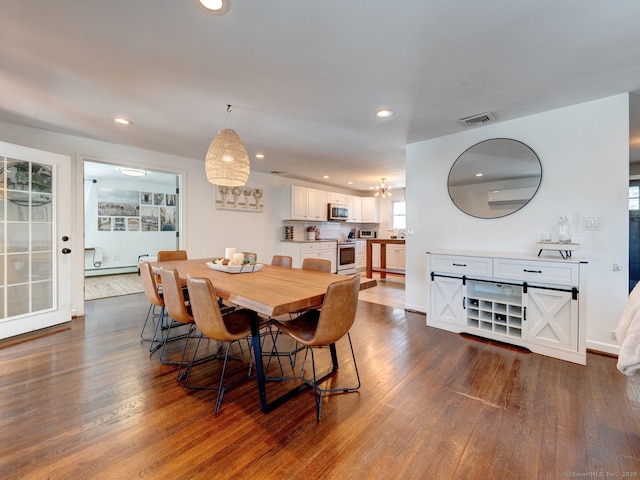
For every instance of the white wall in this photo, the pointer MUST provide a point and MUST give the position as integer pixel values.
(584, 151)
(122, 249)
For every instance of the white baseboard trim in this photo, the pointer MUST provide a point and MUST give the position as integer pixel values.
(415, 308)
(610, 348)
(110, 271)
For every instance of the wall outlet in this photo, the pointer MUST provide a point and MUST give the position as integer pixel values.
(613, 335)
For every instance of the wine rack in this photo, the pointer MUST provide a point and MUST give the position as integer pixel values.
(494, 307)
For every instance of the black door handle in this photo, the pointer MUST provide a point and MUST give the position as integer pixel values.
(66, 251)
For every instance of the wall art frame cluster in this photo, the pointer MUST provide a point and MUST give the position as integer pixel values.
(245, 198)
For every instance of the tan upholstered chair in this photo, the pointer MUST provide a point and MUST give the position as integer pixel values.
(314, 264)
(282, 261)
(179, 310)
(154, 296)
(317, 264)
(229, 328)
(167, 255)
(321, 328)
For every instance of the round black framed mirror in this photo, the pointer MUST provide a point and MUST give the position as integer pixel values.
(494, 178)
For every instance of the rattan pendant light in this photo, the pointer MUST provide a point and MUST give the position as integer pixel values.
(227, 161)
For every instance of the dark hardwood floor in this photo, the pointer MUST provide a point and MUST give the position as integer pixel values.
(86, 401)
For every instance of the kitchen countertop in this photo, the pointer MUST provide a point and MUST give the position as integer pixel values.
(312, 241)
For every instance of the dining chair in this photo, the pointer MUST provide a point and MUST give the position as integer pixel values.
(316, 264)
(180, 312)
(282, 261)
(250, 257)
(156, 300)
(320, 328)
(168, 255)
(229, 328)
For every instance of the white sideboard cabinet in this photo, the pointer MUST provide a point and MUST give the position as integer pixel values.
(534, 302)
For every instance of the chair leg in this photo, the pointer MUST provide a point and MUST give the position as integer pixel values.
(320, 391)
(274, 353)
(151, 313)
(221, 387)
(144, 325)
(167, 338)
(187, 369)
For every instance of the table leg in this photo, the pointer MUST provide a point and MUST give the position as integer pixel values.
(257, 355)
(334, 357)
(383, 259)
(265, 406)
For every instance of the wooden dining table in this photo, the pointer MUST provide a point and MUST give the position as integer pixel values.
(271, 291)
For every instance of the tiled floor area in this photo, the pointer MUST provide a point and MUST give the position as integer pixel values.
(390, 291)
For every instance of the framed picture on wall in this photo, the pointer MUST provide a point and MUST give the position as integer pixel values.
(245, 198)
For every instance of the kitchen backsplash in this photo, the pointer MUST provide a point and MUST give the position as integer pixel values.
(297, 231)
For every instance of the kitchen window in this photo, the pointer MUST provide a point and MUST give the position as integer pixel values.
(399, 215)
(634, 198)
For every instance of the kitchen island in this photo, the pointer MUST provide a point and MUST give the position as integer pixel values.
(383, 269)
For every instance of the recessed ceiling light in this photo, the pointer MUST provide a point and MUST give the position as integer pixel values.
(479, 174)
(384, 113)
(122, 121)
(349, 183)
(216, 7)
(325, 176)
(133, 172)
(259, 155)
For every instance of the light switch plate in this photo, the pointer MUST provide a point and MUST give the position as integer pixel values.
(592, 223)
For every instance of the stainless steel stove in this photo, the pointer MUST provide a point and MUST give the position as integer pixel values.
(346, 261)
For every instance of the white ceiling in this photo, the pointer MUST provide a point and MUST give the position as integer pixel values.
(305, 77)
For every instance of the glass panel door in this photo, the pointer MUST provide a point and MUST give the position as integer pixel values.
(27, 243)
(29, 265)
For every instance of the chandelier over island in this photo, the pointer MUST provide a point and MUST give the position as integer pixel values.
(382, 189)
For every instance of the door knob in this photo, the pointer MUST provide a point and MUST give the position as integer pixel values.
(66, 251)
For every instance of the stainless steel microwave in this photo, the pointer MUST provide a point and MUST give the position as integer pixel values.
(367, 234)
(337, 212)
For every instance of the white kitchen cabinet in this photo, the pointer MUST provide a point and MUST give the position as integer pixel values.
(375, 255)
(354, 206)
(298, 251)
(298, 200)
(329, 251)
(395, 256)
(536, 303)
(316, 205)
(305, 204)
(361, 254)
(340, 198)
(370, 210)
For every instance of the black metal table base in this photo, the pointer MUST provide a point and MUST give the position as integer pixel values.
(265, 405)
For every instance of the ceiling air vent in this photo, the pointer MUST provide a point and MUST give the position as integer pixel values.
(276, 172)
(479, 119)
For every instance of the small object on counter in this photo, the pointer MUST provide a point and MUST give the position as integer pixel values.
(229, 252)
